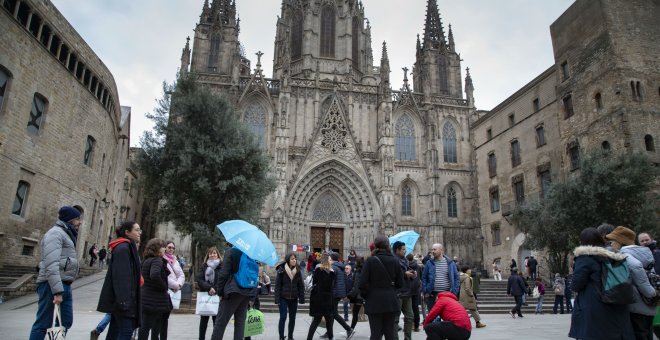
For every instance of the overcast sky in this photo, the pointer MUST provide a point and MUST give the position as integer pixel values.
(505, 43)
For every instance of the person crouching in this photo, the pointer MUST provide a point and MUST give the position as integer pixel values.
(455, 324)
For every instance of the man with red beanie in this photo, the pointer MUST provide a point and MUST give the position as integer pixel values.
(455, 324)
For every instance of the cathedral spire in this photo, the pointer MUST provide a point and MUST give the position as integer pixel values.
(224, 11)
(434, 34)
(185, 58)
(469, 88)
(385, 70)
(204, 17)
(452, 47)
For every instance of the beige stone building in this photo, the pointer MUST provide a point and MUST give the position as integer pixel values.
(602, 92)
(63, 134)
(352, 157)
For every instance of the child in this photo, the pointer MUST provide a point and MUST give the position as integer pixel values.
(541, 288)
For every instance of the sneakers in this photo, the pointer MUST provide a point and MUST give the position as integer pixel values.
(350, 333)
(480, 325)
(513, 315)
(94, 335)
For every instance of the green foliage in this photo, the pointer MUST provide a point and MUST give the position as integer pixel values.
(202, 163)
(617, 189)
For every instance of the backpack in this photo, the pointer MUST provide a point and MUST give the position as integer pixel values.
(247, 275)
(617, 287)
(654, 281)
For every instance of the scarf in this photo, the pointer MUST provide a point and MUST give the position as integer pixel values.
(290, 272)
(209, 274)
(73, 233)
(170, 259)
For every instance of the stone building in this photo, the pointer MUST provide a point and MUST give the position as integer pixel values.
(602, 92)
(352, 157)
(63, 134)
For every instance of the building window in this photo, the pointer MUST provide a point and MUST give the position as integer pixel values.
(89, 151)
(494, 200)
(648, 143)
(442, 76)
(449, 143)
(255, 118)
(536, 105)
(357, 28)
(512, 119)
(515, 153)
(20, 200)
(564, 70)
(404, 139)
(492, 164)
(4, 84)
(636, 89)
(328, 32)
(574, 155)
(406, 201)
(37, 113)
(568, 106)
(495, 233)
(598, 98)
(296, 35)
(489, 134)
(519, 189)
(540, 136)
(545, 180)
(28, 250)
(214, 53)
(606, 146)
(452, 209)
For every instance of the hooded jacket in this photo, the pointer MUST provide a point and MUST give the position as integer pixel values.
(593, 319)
(447, 307)
(59, 260)
(286, 288)
(121, 292)
(638, 259)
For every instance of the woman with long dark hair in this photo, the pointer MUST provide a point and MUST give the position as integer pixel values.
(289, 291)
(320, 299)
(155, 300)
(207, 280)
(379, 282)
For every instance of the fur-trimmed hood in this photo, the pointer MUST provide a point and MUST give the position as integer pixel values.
(598, 251)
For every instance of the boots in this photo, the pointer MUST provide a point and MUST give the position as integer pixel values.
(480, 325)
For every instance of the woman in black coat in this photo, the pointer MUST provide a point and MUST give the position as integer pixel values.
(207, 279)
(380, 280)
(155, 299)
(354, 295)
(320, 299)
(120, 295)
(289, 291)
(593, 319)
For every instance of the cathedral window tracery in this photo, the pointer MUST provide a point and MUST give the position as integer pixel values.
(442, 76)
(255, 118)
(406, 201)
(327, 209)
(214, 53)
(334, 131)
(449, 143)
(405, 139)
(296, 35)
(328, 24)
(452, 206)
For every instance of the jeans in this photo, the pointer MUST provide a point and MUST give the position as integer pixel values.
(346, 303)
(235, 305)
(516, 308)
(45, 309)
(290, 307)
(121, 328)
(539, 305)
(559, 301)
(150, 322)
(103, 323)
(203, 323)
(416, 300)
(569, 306)
(382, 324)
(329, 320)
(446, 330)
(406, 309)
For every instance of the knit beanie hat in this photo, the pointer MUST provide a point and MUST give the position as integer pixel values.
(68, 213)
(623, 235)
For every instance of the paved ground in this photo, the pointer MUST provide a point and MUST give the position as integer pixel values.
(17, 316)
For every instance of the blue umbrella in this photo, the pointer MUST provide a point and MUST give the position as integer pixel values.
(250, 240)
(408, 237)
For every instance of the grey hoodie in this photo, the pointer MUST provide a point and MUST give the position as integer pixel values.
(639, 258)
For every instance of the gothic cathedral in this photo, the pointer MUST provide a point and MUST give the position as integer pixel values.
(353, 157)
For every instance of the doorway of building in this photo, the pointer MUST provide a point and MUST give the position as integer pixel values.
(326, 237)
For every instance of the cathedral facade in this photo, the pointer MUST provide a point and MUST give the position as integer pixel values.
(353, 158)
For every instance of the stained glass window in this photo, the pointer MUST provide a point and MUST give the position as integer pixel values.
(452, 208)
(449, 143)
(405, 139)
(327, 209)
(255, 118)
(296, 35)
(406, 201)
(328, 32)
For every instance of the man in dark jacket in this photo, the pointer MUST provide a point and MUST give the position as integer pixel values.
(416, 291)
(102, 254)
(348, 270)
(515, 287)
(339, 292)
(120, 294)
(532, 263)
(645, 240)
(405, 293)
(58, 268)
(233, 299)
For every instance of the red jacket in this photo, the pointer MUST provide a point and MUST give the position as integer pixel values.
(448, 308)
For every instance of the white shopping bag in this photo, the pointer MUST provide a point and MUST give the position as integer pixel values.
(207, 304)
(175, 297)
(56, 332)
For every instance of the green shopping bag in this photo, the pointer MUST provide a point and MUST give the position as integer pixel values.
(656, 319)
(254, 323)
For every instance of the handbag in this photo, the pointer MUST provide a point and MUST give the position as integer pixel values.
(56, 332)
(536, 294)
(175, 297)
(254, 323)
(361, 316)
(207, 304)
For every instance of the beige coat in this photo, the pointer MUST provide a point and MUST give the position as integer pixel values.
(467, 294)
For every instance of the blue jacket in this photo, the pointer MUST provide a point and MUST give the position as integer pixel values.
(339, 289)
(428, 276)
